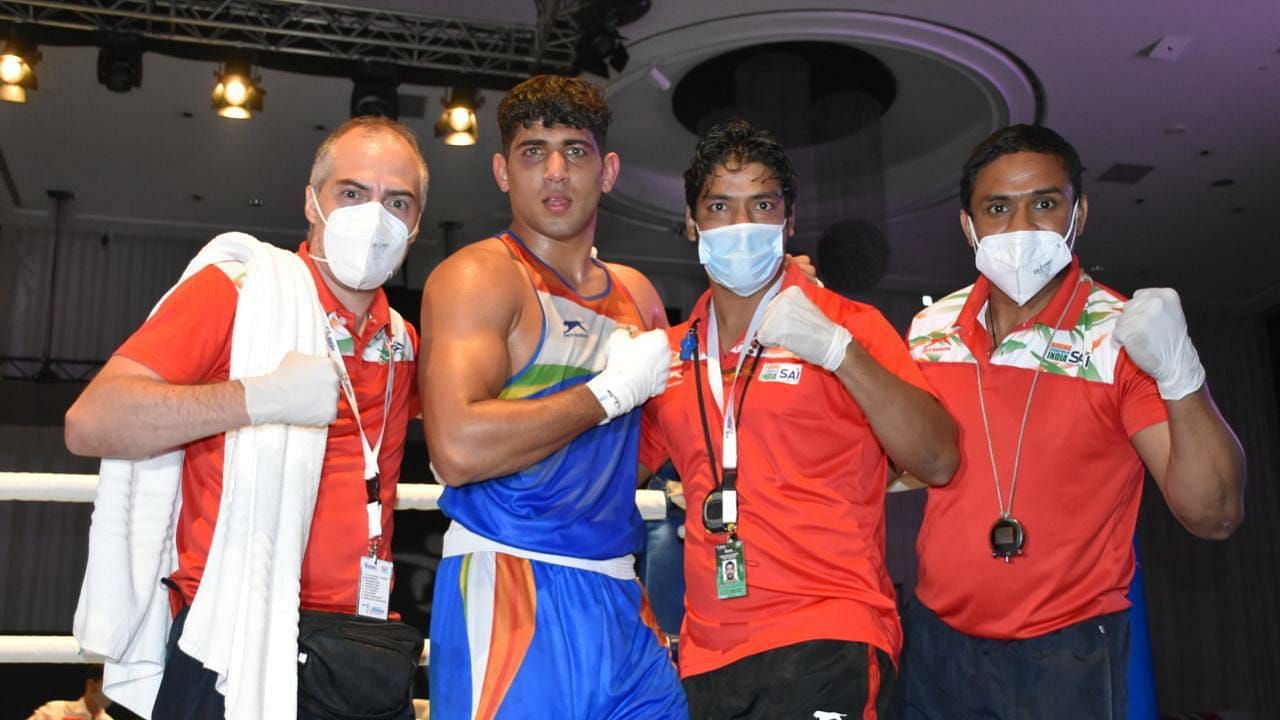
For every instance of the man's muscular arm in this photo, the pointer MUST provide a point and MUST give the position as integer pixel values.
(470, 306)
(1195, 458)
(916, 432)
(130, 412)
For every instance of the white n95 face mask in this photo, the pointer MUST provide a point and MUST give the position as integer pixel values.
(363, 244)
(1022, 262)
(742, 257)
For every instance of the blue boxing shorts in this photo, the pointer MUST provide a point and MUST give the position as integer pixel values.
(518, 638)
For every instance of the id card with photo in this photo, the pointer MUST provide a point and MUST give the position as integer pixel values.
(731, 570)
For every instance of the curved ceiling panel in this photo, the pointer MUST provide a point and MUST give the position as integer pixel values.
(952, 90)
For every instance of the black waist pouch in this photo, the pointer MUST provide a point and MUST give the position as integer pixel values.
(355, 668)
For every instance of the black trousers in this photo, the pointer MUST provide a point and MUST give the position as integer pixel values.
(1080, 671)
(826, 679)
(187, 689)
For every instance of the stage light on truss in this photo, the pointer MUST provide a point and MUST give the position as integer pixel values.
(120, 62)
(374, 91)
(457, 124)
(237, 94)
(16, 73)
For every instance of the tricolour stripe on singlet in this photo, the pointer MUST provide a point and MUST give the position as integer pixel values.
(580, 500)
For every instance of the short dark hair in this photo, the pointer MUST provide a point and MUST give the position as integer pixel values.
(554, 100)
(739, 142)
(1016, 139)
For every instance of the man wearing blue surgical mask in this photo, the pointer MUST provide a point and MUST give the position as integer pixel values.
(785, 405)
(1063, 391)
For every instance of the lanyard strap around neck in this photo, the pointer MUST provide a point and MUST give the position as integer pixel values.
(370, 453)
(1006, 510)
(729, 439)
(729, 450)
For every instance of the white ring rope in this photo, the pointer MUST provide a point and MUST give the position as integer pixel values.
(64, 487)
(42, 649)
(62, 649)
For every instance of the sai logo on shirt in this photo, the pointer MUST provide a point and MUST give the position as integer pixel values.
(574, 328)
(1064, 352)
(788, 373)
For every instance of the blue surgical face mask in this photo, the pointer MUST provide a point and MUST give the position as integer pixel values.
(742, 257)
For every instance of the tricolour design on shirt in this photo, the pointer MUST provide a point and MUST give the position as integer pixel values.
(1084, 351)
(579, 501)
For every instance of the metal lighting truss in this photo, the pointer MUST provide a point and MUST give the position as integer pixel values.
(330, 31)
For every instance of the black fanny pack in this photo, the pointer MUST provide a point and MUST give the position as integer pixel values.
(355, 668)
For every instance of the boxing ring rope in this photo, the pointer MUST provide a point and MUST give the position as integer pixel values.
(64, 487)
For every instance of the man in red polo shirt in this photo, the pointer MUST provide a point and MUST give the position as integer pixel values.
(789, 610)
(167, 387)
(1062, 391)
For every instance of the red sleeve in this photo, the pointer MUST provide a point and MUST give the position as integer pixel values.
(1140, 403)
(187, 341)
(882, 342)
(653, 441)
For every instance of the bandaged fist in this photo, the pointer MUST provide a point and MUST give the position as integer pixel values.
(1154, 331)
(635, 370)
(792, 321)
(303, 390)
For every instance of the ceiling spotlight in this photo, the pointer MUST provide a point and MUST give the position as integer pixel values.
(120, 62)
(238, 93)
(457, 124)
(16, 75)
(374, 92)
(600, 46)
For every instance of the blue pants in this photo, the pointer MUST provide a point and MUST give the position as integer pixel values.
(517, 638)
(1076, 672)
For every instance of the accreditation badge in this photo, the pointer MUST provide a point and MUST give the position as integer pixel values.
(375, 588)
(731, 570)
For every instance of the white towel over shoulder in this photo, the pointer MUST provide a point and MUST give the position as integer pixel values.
(243, 622)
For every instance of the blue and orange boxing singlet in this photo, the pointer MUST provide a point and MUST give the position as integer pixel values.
(580, 500)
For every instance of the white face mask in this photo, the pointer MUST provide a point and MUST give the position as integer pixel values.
(742, 257)
(1022, 262)
(363, 244)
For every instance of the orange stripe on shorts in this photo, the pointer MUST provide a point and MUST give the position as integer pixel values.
(515, 599)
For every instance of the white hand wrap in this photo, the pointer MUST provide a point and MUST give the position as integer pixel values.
(792, 321)
(1154, 331)
(635, 370)
(303, 390)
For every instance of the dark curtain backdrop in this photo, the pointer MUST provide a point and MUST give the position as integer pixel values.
(1214, 608)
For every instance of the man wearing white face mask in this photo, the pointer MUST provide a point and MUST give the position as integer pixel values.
(169, 387)
(1063, 391)
(785, 406)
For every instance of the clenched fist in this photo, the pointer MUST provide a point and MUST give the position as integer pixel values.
(303, 390)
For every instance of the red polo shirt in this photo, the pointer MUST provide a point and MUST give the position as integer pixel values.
(811, 486)
(1079, 481)
(187, 341)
